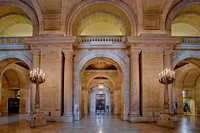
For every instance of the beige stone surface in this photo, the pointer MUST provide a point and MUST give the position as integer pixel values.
(133, 91)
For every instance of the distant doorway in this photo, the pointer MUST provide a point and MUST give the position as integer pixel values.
(100, 103)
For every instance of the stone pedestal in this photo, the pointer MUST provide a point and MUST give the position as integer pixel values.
(37, 120)
(165, 120)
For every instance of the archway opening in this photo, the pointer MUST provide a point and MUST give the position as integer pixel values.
(14, 22)
(187, 86)
(109, 101)
(100, 100)
(14, 88)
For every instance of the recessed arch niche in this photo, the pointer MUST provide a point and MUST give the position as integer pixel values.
(86, 9)
(183, 19)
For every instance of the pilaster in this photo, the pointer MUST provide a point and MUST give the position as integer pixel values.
(134, 88)
(68, 86)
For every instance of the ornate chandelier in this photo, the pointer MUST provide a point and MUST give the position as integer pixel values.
(167, 76)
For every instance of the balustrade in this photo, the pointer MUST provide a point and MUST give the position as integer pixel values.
(97, 39)
(89, 39)
(190, 40)
(11, 40)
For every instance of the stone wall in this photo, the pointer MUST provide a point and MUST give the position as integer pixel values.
(51, 89)
(152, 91)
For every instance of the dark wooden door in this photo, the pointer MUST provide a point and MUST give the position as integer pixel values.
(13, 105)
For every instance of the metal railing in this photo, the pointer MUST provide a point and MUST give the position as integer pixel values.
(11, 40)
(99, 39)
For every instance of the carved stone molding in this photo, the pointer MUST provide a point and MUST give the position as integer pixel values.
(50, 40)
(155, 40)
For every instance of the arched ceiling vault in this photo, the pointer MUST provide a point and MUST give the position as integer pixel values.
(11, 16)
(12, 79)
(11, 20)
(189, 18)
(101, 17)
(111, 11)
(186, 12)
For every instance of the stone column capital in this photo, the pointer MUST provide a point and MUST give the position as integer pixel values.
(35, 52)
(68, 52)
(168, 52)
(135, 52)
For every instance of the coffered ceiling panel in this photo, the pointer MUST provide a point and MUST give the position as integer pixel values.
(50, 6)
(153, 6)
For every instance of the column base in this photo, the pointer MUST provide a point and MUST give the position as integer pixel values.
(165, 120)
(38, 119)
(124, 117)
(67, 118)
(136, 118)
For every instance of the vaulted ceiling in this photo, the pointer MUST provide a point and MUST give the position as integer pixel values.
(52, 15)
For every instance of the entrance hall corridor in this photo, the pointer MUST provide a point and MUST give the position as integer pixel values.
(97, 124)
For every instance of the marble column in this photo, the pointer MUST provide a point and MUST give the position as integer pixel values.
(135, 86)
(68, 86)
(167, 63)
(35, 64)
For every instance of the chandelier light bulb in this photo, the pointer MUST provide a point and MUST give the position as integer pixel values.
(101, 85)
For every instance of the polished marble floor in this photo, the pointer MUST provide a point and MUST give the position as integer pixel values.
(97, 124)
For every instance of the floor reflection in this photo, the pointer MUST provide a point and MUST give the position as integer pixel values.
(189, 124)
(99, 119)
(98, 123)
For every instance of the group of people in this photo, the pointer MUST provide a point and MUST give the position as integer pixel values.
(186, 108)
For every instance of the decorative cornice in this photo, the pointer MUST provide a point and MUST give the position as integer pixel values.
(50, 40)
(155, 40)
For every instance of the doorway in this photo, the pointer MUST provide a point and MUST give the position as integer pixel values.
(100, 103)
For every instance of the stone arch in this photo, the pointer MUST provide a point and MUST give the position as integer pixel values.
(24, 56)
(103, 76)
(172, 14)
(86, 3)
(120, 61)
(179, 56)
(32, 15)
(8, 65)
(186, 82)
